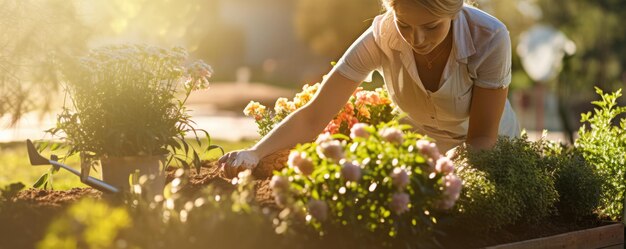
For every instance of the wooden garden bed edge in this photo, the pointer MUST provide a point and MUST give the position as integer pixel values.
(598, 237)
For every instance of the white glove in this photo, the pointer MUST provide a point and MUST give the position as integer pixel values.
(234, 162)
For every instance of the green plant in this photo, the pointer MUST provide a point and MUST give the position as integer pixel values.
(506, 185)
(604, 146)
(384, 188)
(578, 184)
(129, 100)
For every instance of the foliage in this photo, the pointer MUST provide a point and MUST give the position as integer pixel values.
(328, 28)
(576, 181)
(600, 56)
(506, 185)
(364, 106)
(31, 47)
(125, 102)
(213, 219)
(603, 145)
(87, 223)
(384, 188)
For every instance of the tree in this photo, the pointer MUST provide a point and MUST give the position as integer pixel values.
(330, 26)
(34, 38)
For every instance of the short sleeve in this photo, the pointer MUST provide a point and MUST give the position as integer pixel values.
(361, 59)
(494, 69)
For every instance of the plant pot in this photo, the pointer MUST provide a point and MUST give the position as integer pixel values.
(117, 170)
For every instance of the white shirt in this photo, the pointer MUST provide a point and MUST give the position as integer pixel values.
(481, 56)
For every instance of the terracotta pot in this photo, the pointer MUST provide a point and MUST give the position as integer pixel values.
(117, 170)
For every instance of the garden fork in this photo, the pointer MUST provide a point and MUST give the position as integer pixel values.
(37, 159)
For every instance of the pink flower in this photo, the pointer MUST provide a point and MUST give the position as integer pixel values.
(399, 203)
(444, 165)
(399, 178)
(279, 183)
(452, 187)
(392, 135)
(318, 209)
(358, 130)
(294, 158)
(351, 171)
(428, 149)
(324, 137)
(330, 149)
(299, 161)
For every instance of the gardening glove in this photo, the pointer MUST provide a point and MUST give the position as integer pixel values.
(234, 162)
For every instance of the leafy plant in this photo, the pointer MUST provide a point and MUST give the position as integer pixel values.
(384, 188)
(129, 100)
(506, 185)
(604, 146)
(370, 107)
(576, 181)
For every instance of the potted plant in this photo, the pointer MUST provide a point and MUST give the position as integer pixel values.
(127, 111)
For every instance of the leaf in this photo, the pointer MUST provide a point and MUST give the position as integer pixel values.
(212, 147)
(42, 181)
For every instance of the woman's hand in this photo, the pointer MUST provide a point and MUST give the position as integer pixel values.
(236, 161)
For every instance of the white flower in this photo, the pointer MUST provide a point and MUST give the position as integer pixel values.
(444, 165)
(392, 135)
(428, 149)
(358, 130)
(399, 203)
(399, 178)
(299, 161)
(331, 149)
(351, 171)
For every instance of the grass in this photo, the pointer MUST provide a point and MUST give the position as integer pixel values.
(15, 167)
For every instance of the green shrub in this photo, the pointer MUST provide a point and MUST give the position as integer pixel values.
(506, 185)
(383, 188)
(604, 146)
(576, 181)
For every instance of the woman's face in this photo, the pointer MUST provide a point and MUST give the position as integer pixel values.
(420, 28)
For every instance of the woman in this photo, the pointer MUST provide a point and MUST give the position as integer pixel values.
(446, 64)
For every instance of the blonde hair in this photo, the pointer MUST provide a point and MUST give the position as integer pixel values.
(439, 8)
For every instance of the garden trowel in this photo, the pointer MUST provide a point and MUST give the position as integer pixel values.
(37, 159)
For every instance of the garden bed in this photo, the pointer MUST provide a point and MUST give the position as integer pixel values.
(24, 222)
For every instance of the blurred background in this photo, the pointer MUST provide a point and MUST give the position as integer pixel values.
(264, 49)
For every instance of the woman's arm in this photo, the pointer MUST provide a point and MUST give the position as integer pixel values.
(301, 126)
(309, 121)
(485, 113)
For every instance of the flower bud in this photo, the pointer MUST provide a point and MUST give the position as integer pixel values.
(350, 171)
(399, 178)
(399, 203)
(452, 187)
(299, 161)
(358, 130)
(428, 149)
(392, 135)
(318, 209)
(444, 165)
(279, 183)
(331, 149)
